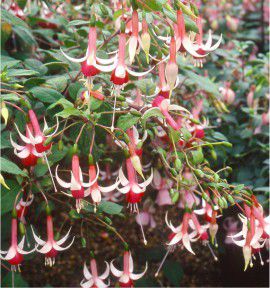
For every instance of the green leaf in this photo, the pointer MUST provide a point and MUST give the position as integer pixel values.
(110, 207)
(151, 5)
(8, 196)
(186, 134)
(10, 167)
(202, 82)
(45, 95)
(21, 72)
(63, 102)
(126, 121)
(10, 18)
(69, 112)
(78, 22)
(153, 112)
(173, 272)
(36, 65)
(197, 157)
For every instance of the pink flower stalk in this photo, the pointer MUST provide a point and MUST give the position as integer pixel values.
(202, 48)
(162, 185)
(133, 190)
(251, 241)
(95, 190)
(171, 70)
(250, 97)
(22, 207)
(15, 253)
(126, 277)
(165, 106)
(28, 153)
(91, 64)
(76, 184)
(51, 247)
(93, 280)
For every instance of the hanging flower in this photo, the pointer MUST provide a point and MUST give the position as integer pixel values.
(23, 206)
(51, 247)
(76, 184)
(93, 280)
(15, 253)
(126, 277)
(28, 153)
(91, 64)
(95, 190)
(202, 48)
(171, 70)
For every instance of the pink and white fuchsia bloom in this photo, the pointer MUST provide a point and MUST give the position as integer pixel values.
(38, 138)
(91, 64)
(204, 48)
(15, 253)
(23, 206)
(28, 153)
(126, 277)
(51, 247)
(93, 280)
(76, 184)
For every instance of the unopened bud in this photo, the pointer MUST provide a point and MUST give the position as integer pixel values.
(178, 164)
(60, 145)
(22, 228)
(83, 241)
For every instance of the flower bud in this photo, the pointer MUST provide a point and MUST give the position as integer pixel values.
(213, 231)
(22, 228)
(136, 162)
(247, 256)
(83, 241)
(178, 164)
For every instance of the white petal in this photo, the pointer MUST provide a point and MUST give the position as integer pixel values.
(139, 74)
(87, 284)
(177, 108)
(46, 248)
(24, 138)
(75, 60)
(105, 61)
(130, 263)
(124, 190)
(106, 273)
(15, 145)
(23, 154)
(58, 248)
(186, 243)
(61, 241)
(86, 272)
(60, 181)
(148, 181)
(117, 273)
(138, 276)
(108, 68)
(257, 236)
(56, 128)
(175, 239)
(124, 181)
(109, 188)
(240, 243)
(101, 284)
(37, 239)
(96, 196)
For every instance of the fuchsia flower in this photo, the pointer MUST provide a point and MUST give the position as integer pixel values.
(207, 211)
(134, 39)
(200, 47)
(15, 253)
(92, 280)
(90, 66)
(23, 206)
(126, 277)
(76, 184)
(227, 93)
(51, 247)
(28, 153)
(162, 185)
(165, 106)
(231, 227)
(95, 190)
(133, 190)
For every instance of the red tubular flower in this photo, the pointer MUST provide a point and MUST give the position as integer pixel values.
(134, 39)
(76, 184)
(15, 253)
(126, 277)
(171, 70)
(28, 153)
(51, 247)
